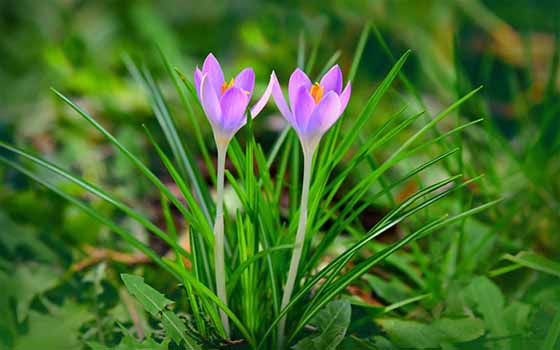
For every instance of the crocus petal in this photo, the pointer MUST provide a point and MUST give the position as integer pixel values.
(332, 80)
(212, 68)
(209, 101)
(324, 115)
(197, 80)
(345, 97)
(303, 109)
(245, 80)
(280, 100)
(297, 79)
(258, 107)
(233, 104)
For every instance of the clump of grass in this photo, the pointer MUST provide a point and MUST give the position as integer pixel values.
(259, 237)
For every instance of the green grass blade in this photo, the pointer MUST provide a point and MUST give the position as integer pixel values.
(171, 228)
(553, 333)
(190, 110)
(127, 236)
(236, 274)
(359, 52)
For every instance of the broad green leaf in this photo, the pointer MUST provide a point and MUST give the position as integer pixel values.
(57, 330)
(152, 300)
(332, 321)
(416, 335)
(517, 315)
(27, 281)
(489, 302)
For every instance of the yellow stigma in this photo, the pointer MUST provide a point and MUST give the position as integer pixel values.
(316, 92)
(226, 86)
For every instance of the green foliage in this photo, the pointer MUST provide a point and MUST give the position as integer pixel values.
(332, 323)
(440, 334)
(56, 330)
(536, 262)
(400, 223)
(153, 301)
(129, 342)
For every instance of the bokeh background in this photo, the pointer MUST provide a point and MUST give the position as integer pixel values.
(511, 47)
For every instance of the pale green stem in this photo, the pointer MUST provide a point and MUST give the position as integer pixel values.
(219, 234)
(298, 244)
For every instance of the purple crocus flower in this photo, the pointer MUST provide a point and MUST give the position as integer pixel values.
(313, 108)
(225, 102)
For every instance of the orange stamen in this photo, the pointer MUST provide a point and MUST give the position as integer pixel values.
(226, 86)
(317, 92)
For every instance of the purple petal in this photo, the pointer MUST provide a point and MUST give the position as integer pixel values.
(324, 115)
(209, 101)
(332, 80)
(245, 80)
(303, 109)
(258, 107)
(233, 104)
(280, 100)
(197, 80)
(345, 97)
(297, 79)
(212, 68)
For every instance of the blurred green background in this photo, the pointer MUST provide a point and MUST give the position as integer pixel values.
(79, 47)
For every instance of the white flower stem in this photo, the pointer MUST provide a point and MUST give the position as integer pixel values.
(298, 244)
(219, 234)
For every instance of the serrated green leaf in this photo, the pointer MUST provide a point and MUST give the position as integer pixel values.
(152, 300)
(176, 329)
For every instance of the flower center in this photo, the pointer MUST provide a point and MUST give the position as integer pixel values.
(226, 86)
(316, 92)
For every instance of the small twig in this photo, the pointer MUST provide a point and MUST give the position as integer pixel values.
(97, 255)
